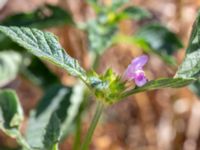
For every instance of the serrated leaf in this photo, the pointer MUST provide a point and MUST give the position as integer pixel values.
(64, 101)
(133, 12)
(10, 62)
(44, 45)
(160, 38)
(52, 133)
(158, 84)
(43, 17)
(190, 67)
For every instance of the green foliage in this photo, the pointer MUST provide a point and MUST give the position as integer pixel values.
(100, 35)
(52, 133)
(103, 28)
(9, 66)
(160, 38)
(44, 45)
(60, 100)
(190, 67)
(56, 112)
(107, 87)
(158, 84)
(162, 41)
(44, 17)
(12, 114)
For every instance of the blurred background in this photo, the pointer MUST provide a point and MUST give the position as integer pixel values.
(166, 119)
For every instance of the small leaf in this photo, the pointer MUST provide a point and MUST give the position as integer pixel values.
(44, 45)
(9, 66)
(160, 38)
(133, 12)
(158, 84)
(58, 99)
(44, 17)
(11, 116)
(190, 67)
(100, 36)
(11, 109)
(52, 133)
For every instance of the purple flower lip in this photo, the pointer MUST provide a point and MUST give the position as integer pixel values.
(135, 70)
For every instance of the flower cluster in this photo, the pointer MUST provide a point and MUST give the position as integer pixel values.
(135, 70)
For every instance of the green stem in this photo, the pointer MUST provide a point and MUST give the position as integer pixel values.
(88, 138)
(55, 147)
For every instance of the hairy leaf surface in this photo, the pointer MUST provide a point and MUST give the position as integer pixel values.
(44, 45)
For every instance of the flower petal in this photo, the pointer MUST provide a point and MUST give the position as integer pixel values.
(129, 73)
(140, 78)
(139, 62)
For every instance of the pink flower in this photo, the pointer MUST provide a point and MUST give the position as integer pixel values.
(135, 70)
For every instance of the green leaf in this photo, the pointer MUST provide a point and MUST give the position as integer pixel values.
(133, 12)
(52, 133)
(9, 66)
(100, 36)
(160, 38)
(44, 17)
(61, 100)
(44, 45)
(190, 67)
(158, 84)
(12, 114)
